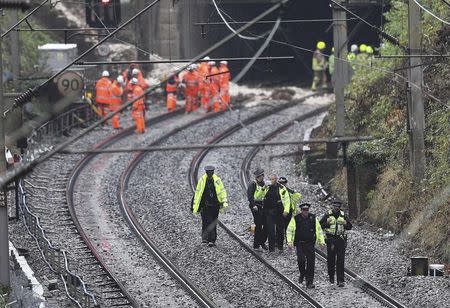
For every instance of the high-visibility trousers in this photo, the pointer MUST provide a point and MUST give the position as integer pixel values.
(171, 101)
(138, 116)
(191, 103)
(116, 117)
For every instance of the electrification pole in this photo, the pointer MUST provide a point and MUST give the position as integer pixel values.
(340, 75)
(416, 117)
(4, 247)
(15, 51)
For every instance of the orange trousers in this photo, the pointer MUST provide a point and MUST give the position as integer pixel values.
(116, 117)
(171, 101)
(138, 116)
(191, 103)
(103, 110)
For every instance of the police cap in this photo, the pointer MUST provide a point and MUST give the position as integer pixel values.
(282, 180)
(336, 202)
(305, 205)
(209, 168)
(258, 172)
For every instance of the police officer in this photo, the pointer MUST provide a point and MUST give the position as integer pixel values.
(276, 199)
(210, 197)
(303, 232)
(255, 194)
(334, 223)
(294, 200)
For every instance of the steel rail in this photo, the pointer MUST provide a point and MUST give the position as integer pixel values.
(199, 295)
(369, 288)
(70, 200)
(193, 172)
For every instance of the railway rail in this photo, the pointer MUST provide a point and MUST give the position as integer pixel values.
(358, 281)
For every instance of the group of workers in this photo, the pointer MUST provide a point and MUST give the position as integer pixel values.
(109, 96)
(276, 218)
(357, 57)
(205, 86)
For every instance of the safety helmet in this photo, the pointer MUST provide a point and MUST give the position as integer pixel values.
(120, 79)
(332, 49)
(354, 48)
(206, 58)
(212, 63)
(369, 50)
(224, 62)
(321, 45)
(191, 67)
(134, 81)
(362, 48)
(105, 74)
(135, 71)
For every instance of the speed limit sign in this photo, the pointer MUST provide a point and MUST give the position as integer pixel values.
(70, 84)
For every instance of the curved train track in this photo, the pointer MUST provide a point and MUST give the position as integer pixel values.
(366, 286)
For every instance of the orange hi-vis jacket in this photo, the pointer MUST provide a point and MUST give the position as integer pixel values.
(191, 81)
(138, 105)
(215, 80)
(225, 78)
(103, 91)
(171, 87)
(116, 93)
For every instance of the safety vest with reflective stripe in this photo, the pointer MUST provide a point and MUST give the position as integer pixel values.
(292, 228)
(284, 196)
(294, 200)
(336, 225)
(116, 93)
(103, 91)
(138, 105)
(220, 191)
(260, 192)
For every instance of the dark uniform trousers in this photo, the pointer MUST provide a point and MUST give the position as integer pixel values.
(260, 230)
(275, 229)
(210, 215)
(336, 257)
(306, 256)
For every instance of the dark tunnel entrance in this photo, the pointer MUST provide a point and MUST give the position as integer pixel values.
(303, 34)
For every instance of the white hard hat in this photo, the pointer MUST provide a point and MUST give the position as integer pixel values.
(206, 58)
(354, 48)
(191, 67)
(135, 71)
(134, 81)
(212, 63)
(120, 79)
(224, 62)
(105, 74)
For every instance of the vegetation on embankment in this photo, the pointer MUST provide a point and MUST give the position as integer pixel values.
(28, 49)
(376, 105)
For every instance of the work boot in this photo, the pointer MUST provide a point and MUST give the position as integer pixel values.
(211, 244)
(310, 285)
(332, 280)
(263, 246)
(340, 284)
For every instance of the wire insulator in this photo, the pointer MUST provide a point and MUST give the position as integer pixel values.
(24, 98)
(15, 4)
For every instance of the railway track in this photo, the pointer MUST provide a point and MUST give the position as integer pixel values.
(109, 288)
(193, 173)
(385, 299)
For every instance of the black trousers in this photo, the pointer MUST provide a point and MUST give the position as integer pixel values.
(260, 228)
(336, 257)
(209, 223)
(275, 229)
(306, 260)
(287, 220)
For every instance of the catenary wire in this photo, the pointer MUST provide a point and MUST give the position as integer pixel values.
(431, 13)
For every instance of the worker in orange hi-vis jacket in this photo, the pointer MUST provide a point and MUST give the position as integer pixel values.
(189, 82)
(127, 73)
(138, 109)
(204, 88)
(103, 94)
(116, 100)
(171, 92)
(215, 87)
(224, 81)
(142, 82)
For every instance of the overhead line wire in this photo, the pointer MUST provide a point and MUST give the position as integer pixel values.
(11, 175)
(431, 13)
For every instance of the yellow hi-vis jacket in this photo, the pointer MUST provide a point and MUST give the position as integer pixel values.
(294, 200)
(292, 227)
(220, 191)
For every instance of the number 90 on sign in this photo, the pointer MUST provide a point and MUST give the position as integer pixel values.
(70, 84)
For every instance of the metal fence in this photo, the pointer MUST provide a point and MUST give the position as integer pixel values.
(54, 257)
